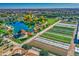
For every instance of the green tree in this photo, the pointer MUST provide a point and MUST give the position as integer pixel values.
(26, 47)
(43, 53)
(1, 22)
(1, 40)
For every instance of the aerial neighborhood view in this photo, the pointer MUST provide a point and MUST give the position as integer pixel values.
(39, 29)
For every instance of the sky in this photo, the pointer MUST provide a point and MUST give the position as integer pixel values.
(39, 5)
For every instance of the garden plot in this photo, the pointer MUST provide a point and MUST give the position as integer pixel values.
(62, 30)
(67, 25)
(58, 37)
(69, 22)
(59, 33)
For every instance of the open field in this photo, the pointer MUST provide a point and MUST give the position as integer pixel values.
(51, 21)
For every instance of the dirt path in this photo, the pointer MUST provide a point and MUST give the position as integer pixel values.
(71, 49)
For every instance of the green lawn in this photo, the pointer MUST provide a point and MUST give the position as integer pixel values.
(52, 20)
(21, 40)
(2, 31)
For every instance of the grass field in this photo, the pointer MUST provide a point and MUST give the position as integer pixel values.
(52, 20)
(21, 40)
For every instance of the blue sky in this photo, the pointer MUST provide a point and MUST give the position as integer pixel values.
(39, 5)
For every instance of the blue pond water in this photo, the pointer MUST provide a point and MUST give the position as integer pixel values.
(18, 26)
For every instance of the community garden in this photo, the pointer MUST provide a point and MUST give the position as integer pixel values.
(59, 33)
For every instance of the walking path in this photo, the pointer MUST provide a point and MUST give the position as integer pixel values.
(40, 33)
(72, 49)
